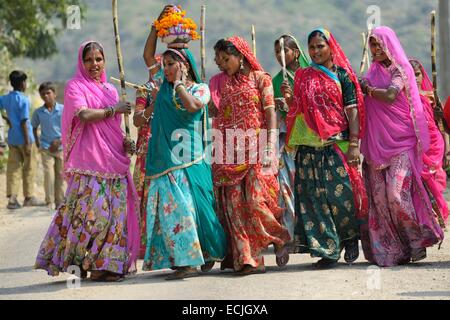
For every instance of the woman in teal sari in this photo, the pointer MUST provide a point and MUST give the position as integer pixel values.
(294, 59)
(183, 231)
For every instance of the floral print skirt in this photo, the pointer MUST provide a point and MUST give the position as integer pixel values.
(172, 238)
(286, 201)
(141, 186)
(394, 229)
(250, 216)
(324, 203)
(89, 229)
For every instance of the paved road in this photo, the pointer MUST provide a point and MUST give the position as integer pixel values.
(21, 232)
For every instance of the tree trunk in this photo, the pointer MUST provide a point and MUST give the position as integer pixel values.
(444, 50)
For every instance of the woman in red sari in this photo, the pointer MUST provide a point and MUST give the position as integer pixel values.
(246, 189)
(325, 122)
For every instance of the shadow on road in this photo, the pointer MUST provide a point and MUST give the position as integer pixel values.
(17, 269)
(425, 294)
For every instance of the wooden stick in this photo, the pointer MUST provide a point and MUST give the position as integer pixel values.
(121, 69)
(367, 60)
(364, 54)
(363, 35)
(433, 59)
(202, 43)
(131, 85)
(253, 40)
(438, 112)
(283, 58)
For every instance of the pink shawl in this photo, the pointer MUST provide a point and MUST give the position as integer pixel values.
(399, 126)
(97, 148)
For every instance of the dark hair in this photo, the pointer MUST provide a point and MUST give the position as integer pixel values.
(176, 57)
(92, 46)
(317, 33)
(17, 78)
(415, 64)
(47, 86)
(227, 47)
(288, 42)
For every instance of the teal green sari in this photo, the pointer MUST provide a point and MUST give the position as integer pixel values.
(167, 153)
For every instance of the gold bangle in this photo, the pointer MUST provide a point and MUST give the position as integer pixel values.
(354, 144)
(179, 87)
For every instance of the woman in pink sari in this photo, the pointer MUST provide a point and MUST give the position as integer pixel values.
(433, 174)
(402, 222)
(96, 228)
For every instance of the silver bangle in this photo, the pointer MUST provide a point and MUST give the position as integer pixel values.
(149, 118)
(153, 66)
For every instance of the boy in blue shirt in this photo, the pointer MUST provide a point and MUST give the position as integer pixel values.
(48, 117)
(21, 162)
(2, 136)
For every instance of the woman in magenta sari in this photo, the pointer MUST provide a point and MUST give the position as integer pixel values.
(96, 228)
(433, 173)
(402, 222)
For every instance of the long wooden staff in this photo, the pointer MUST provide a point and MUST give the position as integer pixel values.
(122, 75)
(438, 105)
(364, 54)
(253, 40)
(283, 58)
(283, 65)
(131, 85)
(202, 43)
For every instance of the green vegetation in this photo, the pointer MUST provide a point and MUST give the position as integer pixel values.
(346, 19)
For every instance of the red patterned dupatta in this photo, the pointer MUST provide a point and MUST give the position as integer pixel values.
(318, 97)
(317, 113)
(241, 108)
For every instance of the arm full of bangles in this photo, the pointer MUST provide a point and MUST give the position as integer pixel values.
(189, 102)
(287, 92)
(353, 153)
(94, 115)
(144, 114)
(386, 95)
(270, 151)
(150, 46)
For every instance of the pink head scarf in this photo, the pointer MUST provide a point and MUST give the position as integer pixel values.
(433, 157)
(393, 128)
(96, 148)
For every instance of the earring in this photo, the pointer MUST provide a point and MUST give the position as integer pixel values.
(241, 67)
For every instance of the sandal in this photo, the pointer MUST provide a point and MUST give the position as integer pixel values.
(248, 270)
(325, 263)
(418, 254)
(351, 251)
(183, 272)
(105, 276)
(207, 266)
(83, 273)
(282, 256)
(12, 205)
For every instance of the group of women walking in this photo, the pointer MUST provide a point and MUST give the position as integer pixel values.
(305, 194)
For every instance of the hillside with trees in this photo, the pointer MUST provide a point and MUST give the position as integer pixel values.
(345, 19)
